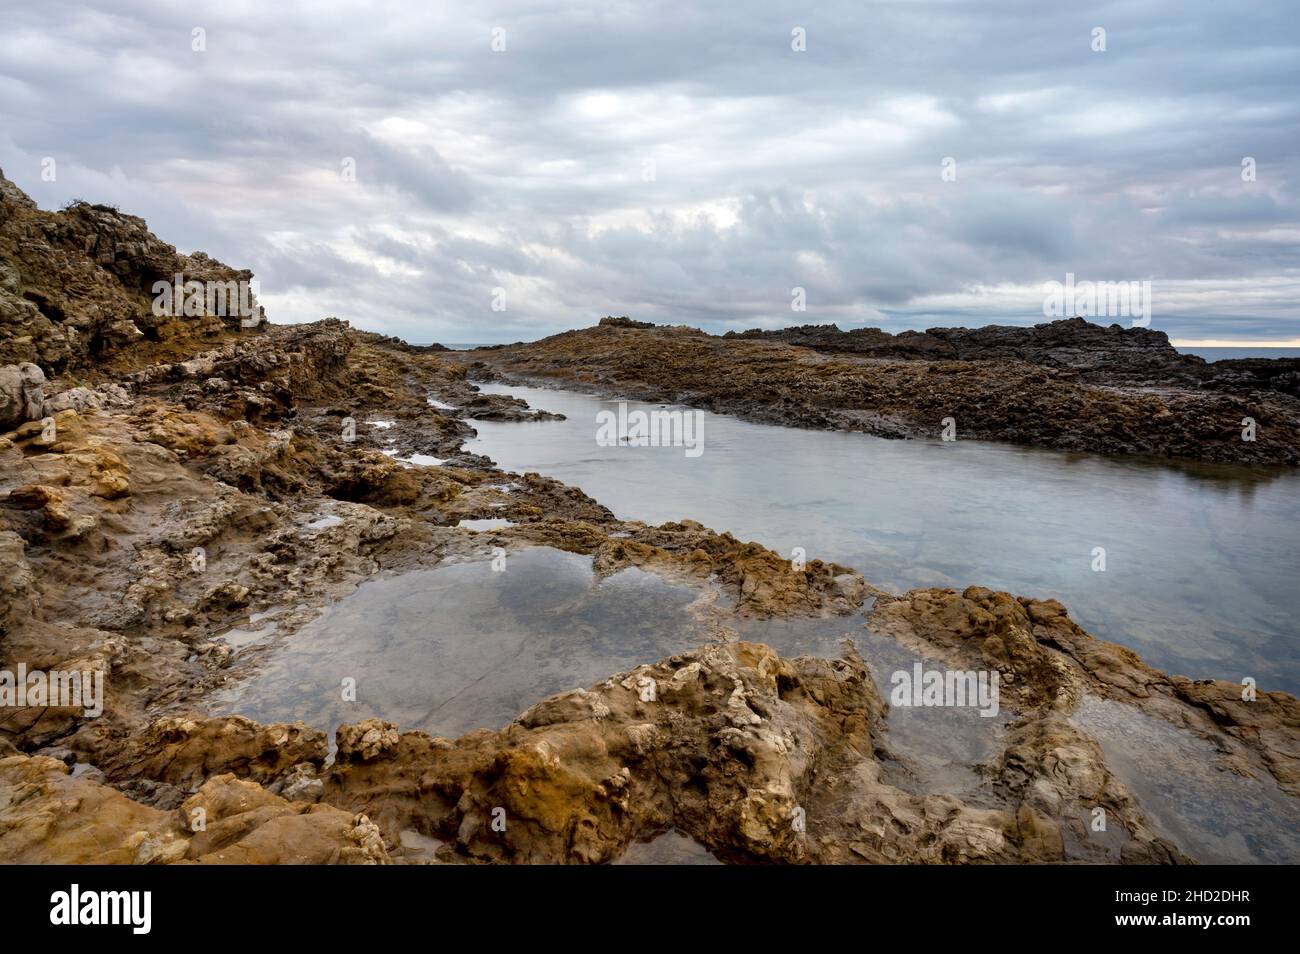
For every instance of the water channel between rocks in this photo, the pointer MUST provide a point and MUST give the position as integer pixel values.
(1202, 561)
(1198, 578)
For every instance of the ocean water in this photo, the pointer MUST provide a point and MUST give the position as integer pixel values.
(1200, 561)
(1220, 354)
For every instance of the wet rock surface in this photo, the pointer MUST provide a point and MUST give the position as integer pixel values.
(193, 484)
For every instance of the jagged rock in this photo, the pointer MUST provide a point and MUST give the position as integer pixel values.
(183, 751)
(623, 321)
(300, 784)
(17, 581)
(78, 287)
(21, 394)
(47, 816)
(1069, 344)
(785, 770)
(82, 399)
(366, 740)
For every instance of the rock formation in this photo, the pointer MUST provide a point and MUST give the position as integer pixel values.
(77, 287)
(156, 487)
(1070, 385)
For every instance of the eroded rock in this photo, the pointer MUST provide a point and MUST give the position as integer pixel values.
(22, 396)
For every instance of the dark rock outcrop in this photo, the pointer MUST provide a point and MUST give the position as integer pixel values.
(78, 287)
(1072, 344)
(1098, 354)
(1069, 385)
(623, 321)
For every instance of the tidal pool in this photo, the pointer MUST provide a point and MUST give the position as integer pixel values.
(1201, 561)
(462, 646)
(934, 748)
(1214, 815)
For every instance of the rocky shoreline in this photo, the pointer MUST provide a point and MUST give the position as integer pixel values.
(1068, 385)
(203, 469)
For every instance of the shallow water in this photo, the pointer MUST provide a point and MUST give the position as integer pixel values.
(462, 646)
(239, 637)
(1216, 816)
(1201, 560)
(670, 848)
(1222, 354)
(934, 749)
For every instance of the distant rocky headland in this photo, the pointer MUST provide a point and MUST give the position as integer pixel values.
(168, 473)
(1067, 384)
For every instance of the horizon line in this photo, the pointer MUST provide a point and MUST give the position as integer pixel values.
(1175, 342)
(1227, 343)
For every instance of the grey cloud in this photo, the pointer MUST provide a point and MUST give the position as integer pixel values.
(524, 169)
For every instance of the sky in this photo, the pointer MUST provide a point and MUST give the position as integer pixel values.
(498, 171)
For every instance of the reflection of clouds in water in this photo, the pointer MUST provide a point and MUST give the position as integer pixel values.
(1201, 559)
(1214, 815)
(461, 647)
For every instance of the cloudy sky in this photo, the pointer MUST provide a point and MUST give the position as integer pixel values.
(683, 163)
